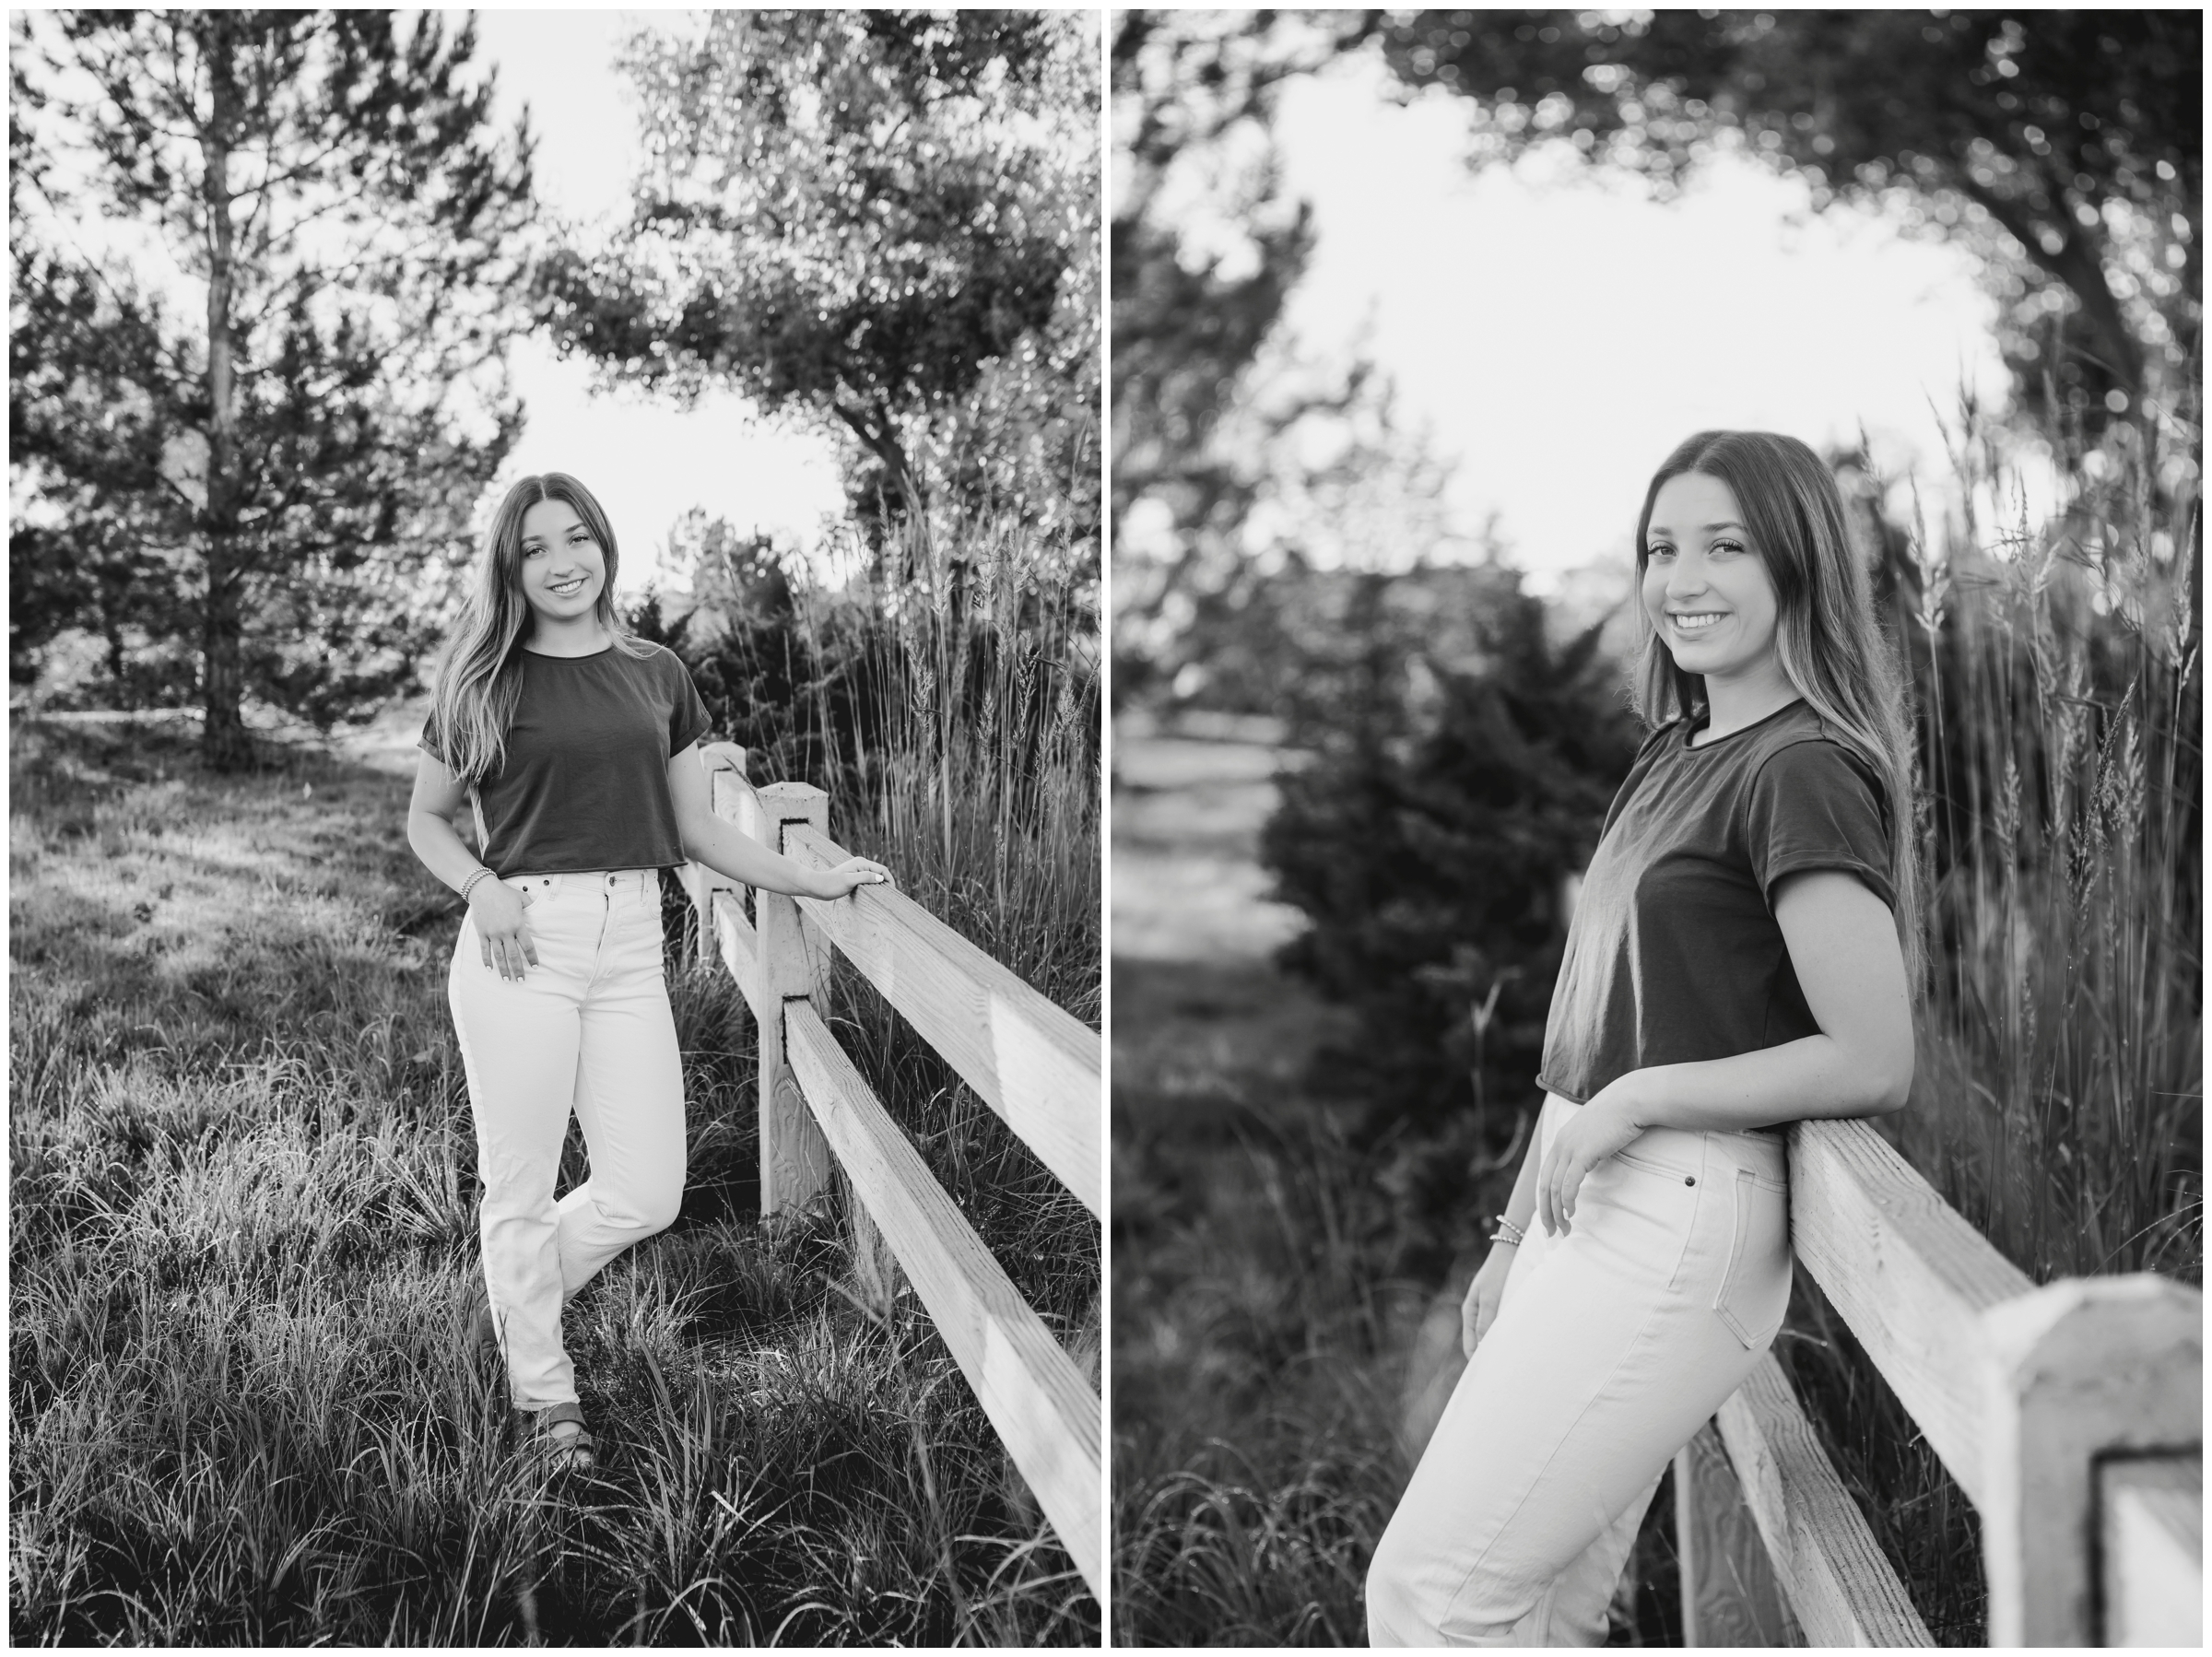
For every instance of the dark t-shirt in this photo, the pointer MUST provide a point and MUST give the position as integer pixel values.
(585, 782)
(1674, 954)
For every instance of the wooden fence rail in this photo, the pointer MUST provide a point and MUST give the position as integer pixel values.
(2070, 1415)
(1029, 1060)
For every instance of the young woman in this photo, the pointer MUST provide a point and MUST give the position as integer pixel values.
(1740, 958)
(573, 743)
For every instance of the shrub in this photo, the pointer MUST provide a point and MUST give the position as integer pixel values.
(1429, 841)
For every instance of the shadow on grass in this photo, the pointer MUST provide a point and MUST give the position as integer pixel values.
(242, 1245)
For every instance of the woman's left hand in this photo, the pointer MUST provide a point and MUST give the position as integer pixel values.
(853, 872)
(1586, 1139)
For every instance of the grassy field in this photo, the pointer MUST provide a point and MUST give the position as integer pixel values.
(1272, 1385)
(243, 1249)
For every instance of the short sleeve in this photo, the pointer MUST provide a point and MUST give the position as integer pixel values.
(1815, 805)
(687, 717)
(427, 743)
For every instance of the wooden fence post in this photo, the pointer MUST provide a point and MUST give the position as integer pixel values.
(2152, 1539)
(794, 1158)
(722, 759)
(1730, 1594)
(2079, 1371)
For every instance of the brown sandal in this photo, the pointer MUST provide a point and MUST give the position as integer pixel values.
(563, 1453)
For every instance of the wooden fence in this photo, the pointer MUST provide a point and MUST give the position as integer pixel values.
(1030, 1061)
(2071, 1415)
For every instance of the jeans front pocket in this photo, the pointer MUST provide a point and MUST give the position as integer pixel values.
(1755, 1290)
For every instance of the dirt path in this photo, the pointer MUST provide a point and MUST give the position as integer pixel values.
(1199, 1007)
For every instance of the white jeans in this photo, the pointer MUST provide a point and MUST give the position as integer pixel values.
(587, 1028)
(1612, 1346)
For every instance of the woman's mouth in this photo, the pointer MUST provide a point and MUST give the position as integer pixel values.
(565, 589)
(1695, 621)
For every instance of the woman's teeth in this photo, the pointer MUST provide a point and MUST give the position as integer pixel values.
(1697, 624)
(565, 588)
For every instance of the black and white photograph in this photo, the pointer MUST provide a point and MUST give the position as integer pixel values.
(555, 738)
(1655, 1070)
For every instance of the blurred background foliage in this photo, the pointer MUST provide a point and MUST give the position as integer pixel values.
(1449, 741)
(1260, 568)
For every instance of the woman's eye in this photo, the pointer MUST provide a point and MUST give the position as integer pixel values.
(1661, 552)
(1727, 547)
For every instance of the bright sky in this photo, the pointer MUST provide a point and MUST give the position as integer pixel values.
(647, 460)
(1560, 334)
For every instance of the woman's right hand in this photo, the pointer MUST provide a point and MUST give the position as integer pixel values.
(1479, 1310)
(502, 927)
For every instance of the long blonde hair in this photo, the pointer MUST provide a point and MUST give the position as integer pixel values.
(1831, 649)
(479, 676)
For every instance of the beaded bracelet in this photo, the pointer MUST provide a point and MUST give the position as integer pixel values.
(1507, 1232)
(469, 885)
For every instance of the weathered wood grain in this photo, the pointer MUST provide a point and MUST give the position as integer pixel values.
(1033, 1063)
(1839, 1586)
(2079, 1370)
(701, 884)
(1908, 1274)
(794, 1163)
(2153, 1524)
(740, 947)
(1045, 1412)
(1730, 1595)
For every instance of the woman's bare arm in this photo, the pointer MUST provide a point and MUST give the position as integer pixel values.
(1844, 947)
(723, 848)
(438, 794)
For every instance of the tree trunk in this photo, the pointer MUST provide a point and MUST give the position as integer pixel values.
(224, 744)
(878, 436)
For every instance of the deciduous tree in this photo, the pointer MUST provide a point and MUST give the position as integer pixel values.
(2066, 146)
(860, 216)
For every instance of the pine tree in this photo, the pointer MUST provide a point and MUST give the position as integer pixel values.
(1455, 785)
(264, 268)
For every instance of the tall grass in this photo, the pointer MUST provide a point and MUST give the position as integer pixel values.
(977, 755)
(1255, 1384)
(2057, 1101)
(2061, 1095)
(1273, 1383)
(243, 1244)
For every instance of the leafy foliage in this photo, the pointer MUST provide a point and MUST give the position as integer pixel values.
(249, 489)
(2064, 145)
(1428, 839)
(1237, 460)
(880, 219)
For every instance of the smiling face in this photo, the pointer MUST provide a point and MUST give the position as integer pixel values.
(1705, 587)
(562, 570)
